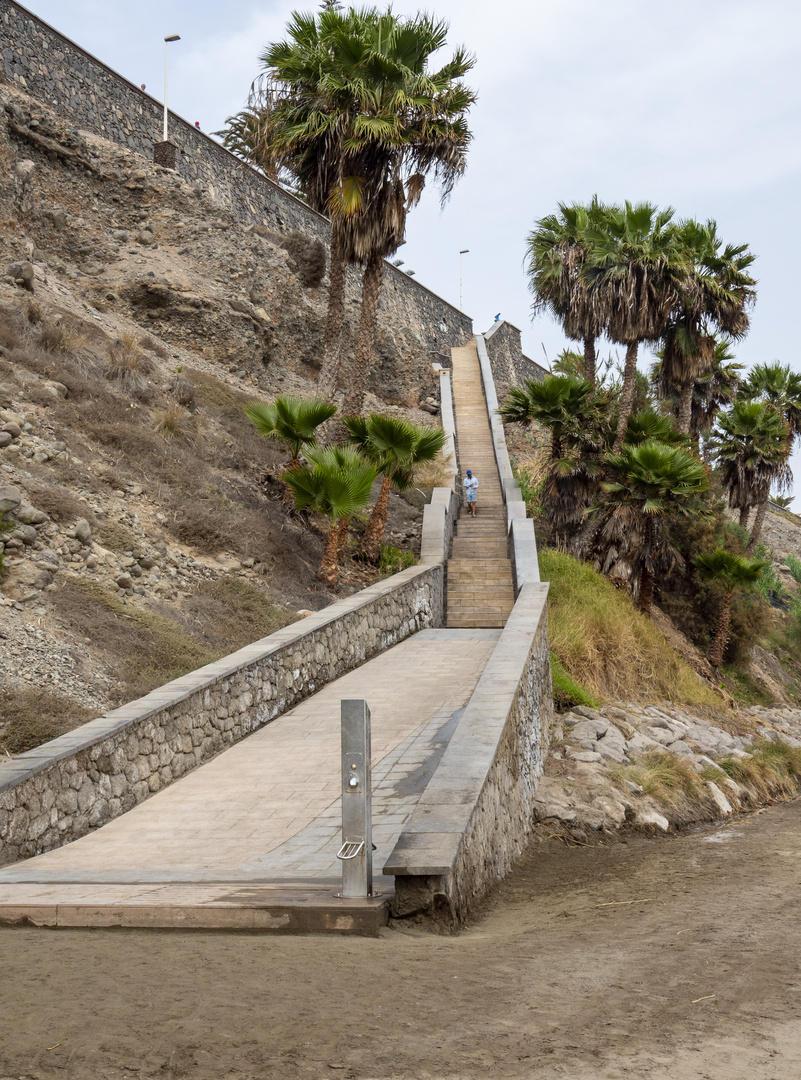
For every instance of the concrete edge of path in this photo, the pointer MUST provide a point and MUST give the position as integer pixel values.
(473, 819)
(79, 781)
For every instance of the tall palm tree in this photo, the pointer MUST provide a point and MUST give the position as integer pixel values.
(362, 104)
(572, 411)
(733, 573)
(714, 390)
(635, 263)
(558, 250)
(751, 443)
(780, 388)
(291, 421)
(337, 484)
(395, 447)
(713, 297)
(651, 482)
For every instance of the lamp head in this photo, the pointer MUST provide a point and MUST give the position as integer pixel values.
(173, 37)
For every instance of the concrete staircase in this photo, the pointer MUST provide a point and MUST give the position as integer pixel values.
(480, 588)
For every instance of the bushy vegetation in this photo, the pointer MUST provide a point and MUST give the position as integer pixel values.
(608, 649)
(626, 487)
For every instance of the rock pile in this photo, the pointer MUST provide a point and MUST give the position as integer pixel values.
(586, 787)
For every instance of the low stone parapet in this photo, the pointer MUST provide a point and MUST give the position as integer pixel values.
(59, 791)
(472, 821)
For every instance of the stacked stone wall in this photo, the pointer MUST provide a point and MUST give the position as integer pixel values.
(95, 98)
(473, 819)
(509, 366)
(60, 791)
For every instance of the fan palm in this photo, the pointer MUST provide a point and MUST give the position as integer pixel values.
(362, 106)
(644, 426)
(634, 266)
(395, 447)
(570, 409)
(751, 444)
(558, 249)
(651, 482)
(337, 484)
(733, 573)
(713, 297)
(566, 405)
(780, 388)
(291, 420)
(711, 392)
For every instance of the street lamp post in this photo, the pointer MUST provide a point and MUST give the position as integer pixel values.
(464, 251)
(167, 40)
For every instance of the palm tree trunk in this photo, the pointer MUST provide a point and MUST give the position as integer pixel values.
(365, 336)
(718, 646)
(646, 577)
(329, 567)
(335, 318)
(745, 513)
(627, 394)
(589, 358)
(374, 533)
(756, 531)
(685, 408)
(343, 524)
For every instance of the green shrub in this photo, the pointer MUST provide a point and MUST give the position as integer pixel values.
(392, 560)
(793, 564)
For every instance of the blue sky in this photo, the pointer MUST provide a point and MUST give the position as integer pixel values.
(695, 105)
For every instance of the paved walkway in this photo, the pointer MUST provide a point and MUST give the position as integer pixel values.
(253, 833)
(480, 589)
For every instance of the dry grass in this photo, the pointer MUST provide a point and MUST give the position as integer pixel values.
(772, 769)
(60, 337)
(431, 474)
(176, 422)
(606, 646)
(666, 777)
(146, 649)
(35, 716)
(128, 366)
(229, 613)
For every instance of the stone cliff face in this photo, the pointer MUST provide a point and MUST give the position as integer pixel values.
(137, 317)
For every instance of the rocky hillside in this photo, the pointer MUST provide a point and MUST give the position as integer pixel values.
(149, 532)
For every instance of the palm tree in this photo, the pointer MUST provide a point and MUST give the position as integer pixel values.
(644, 426)
(779, 387)
(571, 410)
(395, 447)
(291, 420)
(652, 481)
(558, 250)
(634, 266)
(733, 573)
(337, 484)
(713, 297)
(751, 444)
(711, 392)
(362, 104)
(566, 405)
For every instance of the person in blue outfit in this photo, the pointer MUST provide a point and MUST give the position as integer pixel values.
(470, 492)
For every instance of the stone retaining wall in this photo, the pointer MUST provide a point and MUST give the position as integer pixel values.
(95, 98)
(509, 366)
(472, 821)
(63, 789)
